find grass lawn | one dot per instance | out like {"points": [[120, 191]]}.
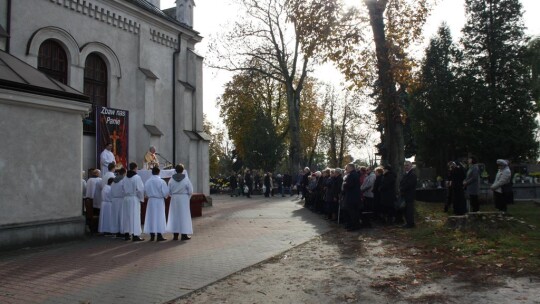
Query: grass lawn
{"points": [[508, 243]]}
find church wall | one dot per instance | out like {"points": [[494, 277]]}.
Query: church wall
{"points": [[39, 168], [135, 41]]}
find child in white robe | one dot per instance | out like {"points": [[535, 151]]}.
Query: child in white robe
{"points": [[105, 215], [180, 189], [156, 190]]}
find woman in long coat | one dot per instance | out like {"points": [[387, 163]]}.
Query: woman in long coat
{"points": [[387, 191], [180, 190]]}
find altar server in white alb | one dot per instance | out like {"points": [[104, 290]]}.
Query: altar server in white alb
{"points": [[180, 189], [108, 174], [105, 215], [131, 211], [117, 198], [106, 157], [156, 190], [93, 188]]}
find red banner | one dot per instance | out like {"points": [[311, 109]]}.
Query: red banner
{"points": [[112, 127]]}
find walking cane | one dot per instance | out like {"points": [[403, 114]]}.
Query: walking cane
{"points": [[338, 211]]}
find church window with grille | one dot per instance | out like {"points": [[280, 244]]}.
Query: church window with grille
{"points": [[95, 86], [52, 60]]}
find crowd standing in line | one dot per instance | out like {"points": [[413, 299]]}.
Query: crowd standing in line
{"points": [[358, 195]]}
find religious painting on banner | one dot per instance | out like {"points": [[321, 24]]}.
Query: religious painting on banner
{"points": [[112, 126]]}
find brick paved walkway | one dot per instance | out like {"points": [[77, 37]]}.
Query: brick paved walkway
{"points": [[233, 234]]}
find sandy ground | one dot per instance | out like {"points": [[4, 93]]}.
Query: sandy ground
{"points": [[370, 266]]}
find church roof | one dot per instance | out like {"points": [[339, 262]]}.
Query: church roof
{"points": [[17, 75], [167, 14]]}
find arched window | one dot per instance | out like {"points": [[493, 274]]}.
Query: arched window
{"points": [[52, 60], [95, 86]]}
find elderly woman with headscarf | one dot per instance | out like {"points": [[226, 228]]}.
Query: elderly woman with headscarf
{"points": [[502, 186]]}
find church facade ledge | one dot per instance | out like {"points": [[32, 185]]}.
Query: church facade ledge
{"points": [[101, 14], [163, 39]]}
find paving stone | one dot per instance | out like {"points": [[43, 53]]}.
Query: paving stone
{"points": [[233, 234]]}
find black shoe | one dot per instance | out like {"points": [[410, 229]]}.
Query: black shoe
{"points": [[152, 237], [137, 239], [185, 237], [127, 237], [175, 238], [160, 238]]}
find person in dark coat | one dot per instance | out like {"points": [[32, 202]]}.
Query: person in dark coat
{"points": [[278, 182], [407, 189], [388, 194], [267, 186], [233, 183], [336, 193], [240, 180], [248, 181], [472, 183], [287, 183], [304, 182], [457, 176], [450, 192], [328, 198], [351, 193], [377, 205]]}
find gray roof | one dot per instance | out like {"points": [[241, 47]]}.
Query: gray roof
{"points": [[17, 75]]}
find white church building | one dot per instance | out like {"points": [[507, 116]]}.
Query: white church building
{"points": [[122, 54]]}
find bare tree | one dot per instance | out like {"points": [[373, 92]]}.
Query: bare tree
{"points": [[281, 39]]}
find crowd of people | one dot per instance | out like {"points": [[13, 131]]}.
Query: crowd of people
{"points": [[463, 181], [356, 196], [117, 197], [353, 196]]}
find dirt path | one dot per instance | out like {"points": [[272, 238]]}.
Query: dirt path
{"points": [[371, 266]]}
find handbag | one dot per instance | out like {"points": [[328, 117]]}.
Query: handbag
{"points": [[400, 203], [506, 188]]}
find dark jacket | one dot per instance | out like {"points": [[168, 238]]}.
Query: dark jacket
{"points": [[336, 188], [377, 189], [233, 182], [287, 180], [351, 189], [388, 189], [305, 179], [407, 186], [248, 180]]}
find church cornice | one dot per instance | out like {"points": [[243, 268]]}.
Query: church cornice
{"points": [[127, 23], [163, 39], [99, 13]]}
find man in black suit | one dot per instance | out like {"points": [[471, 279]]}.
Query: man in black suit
{"points": [[407, 189]]}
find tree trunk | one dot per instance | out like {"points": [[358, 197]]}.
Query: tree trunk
{"points": [[333, 145], [342, 139], [295, 148], [393, 133]]}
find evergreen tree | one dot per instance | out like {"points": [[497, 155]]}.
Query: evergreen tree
{"points": [[496, 82], [435, 110], [533, 60]]}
